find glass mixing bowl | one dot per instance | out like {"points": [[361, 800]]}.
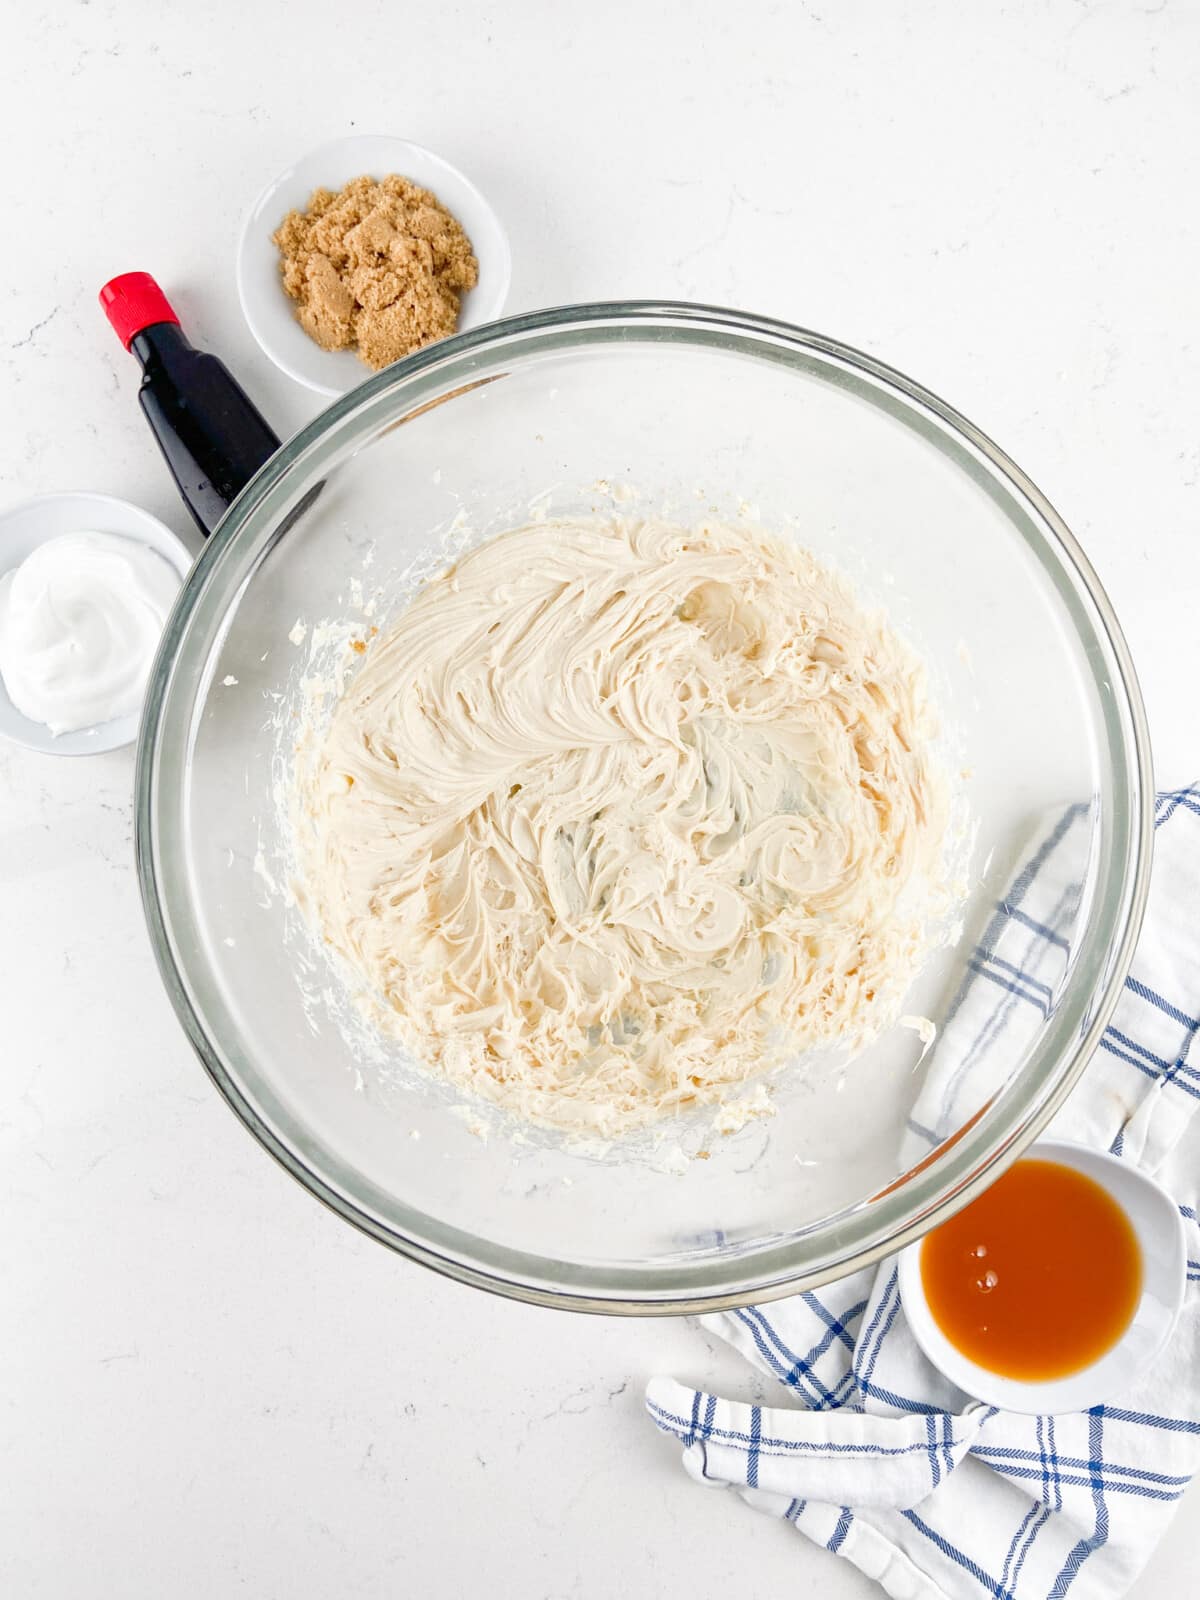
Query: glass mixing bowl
{"points": [[704, 412]]}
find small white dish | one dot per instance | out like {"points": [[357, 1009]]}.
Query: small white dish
{"points": [[1159, 1228], [22, 530], [271, 315]]}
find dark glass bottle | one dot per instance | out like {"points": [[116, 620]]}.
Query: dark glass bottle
{"points": [[212, 434]]}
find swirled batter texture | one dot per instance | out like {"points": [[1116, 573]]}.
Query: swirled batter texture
{"points": [[619, 814]]}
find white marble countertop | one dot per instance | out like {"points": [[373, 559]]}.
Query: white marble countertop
{"points": [[209, 1385]]}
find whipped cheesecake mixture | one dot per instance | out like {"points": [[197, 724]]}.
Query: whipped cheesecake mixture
{"points": [[618, 814]]}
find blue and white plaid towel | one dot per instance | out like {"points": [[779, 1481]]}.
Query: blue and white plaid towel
{"points": [[935, 1496]]}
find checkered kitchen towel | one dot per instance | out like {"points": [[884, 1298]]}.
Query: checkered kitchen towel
{"points": [[935, 1496]]}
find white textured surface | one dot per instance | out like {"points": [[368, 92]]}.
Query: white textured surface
{"points": [[208, 1386]]}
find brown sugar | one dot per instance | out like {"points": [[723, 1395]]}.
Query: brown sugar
{"points": [[380, 266]]}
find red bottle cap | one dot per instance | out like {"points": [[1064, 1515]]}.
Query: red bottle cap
{"points": [[133, 302]]}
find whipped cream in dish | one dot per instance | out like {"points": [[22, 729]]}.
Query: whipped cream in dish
{"points": [[80, 621], [617, 815]]}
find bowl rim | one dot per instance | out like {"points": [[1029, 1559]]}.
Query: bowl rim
{"points": [[455, 185], [1117, 1368], [956, 1170]]}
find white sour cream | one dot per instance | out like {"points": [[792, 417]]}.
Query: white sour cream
{"points": [[80, 620]]}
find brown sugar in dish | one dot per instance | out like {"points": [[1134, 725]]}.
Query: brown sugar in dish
{"points": [[379, 265]]}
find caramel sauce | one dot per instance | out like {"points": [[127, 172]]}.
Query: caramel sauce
{"points": [[1038, 1277]]}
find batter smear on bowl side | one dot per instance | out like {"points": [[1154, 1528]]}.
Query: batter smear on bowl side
{"points": [[618, 815]]}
